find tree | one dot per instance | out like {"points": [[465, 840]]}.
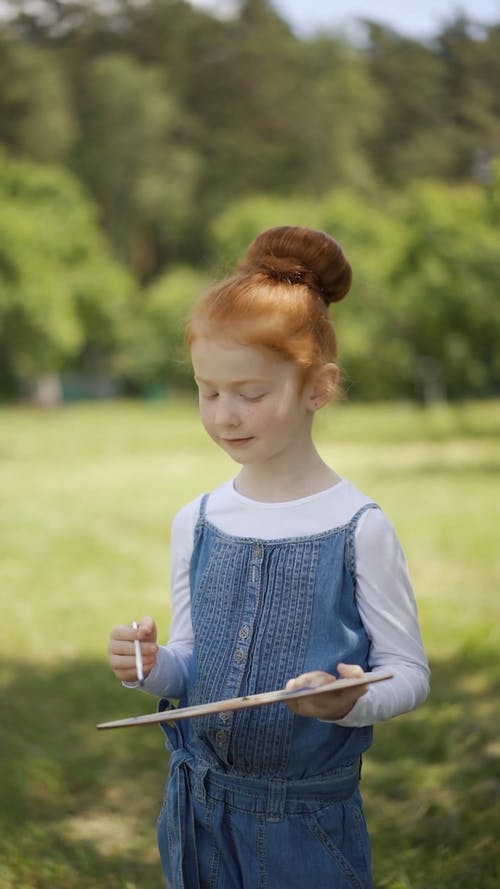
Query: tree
{"points": [[60, 291], [471, 60], [153, 354], [445, 291], [232, 231], [135, 160], [373, 356], [417, 133], [337, 109], [36, 114]]}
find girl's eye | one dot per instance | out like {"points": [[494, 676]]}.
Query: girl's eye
{"points": [[253, 397]]}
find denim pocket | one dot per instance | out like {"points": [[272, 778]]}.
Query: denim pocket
{"points": [[341, 830]]}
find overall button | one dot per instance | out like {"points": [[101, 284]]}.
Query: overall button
{"points": [[244, 632], [221, 737], [239, 655], [225, 716], [257, 552]]}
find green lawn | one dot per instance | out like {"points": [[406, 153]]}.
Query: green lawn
{"points": [[86, 499]]}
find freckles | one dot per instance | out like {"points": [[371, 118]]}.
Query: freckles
{"points": [[261, 418]]}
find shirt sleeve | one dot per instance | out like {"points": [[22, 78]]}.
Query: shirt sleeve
{"points": [[387, 607], [168, 678]]}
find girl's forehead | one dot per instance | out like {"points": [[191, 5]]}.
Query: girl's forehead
{"points": [[212, 357], [207, 349]]}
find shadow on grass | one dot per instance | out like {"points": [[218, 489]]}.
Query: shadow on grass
{"points": [[79, 806], [432, 782]]}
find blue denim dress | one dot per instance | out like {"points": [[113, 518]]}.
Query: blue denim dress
{"points": [[262, 798]]}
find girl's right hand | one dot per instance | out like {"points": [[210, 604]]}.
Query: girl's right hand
{"points": [[121, 650]]}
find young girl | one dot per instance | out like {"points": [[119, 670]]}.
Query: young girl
{"points": [[285, 576]]}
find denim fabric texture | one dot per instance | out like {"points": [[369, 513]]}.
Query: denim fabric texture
{"points": [[262, 798]]}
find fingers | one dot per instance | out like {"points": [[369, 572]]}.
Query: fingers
{"points": [[121, 651], [307, 706], [319, 677], [350, 671], [309, 680], [147, 631], [330, 705]]}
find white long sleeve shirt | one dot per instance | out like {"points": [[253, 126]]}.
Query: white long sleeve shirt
{"points": [[385, 598]]}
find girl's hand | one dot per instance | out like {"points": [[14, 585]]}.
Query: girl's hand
{"points": [[121, 651], [330, 705]]}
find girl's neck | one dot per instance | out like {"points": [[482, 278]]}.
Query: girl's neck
{"points": [[258, 482]]}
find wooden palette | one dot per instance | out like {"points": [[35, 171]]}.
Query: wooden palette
{"points": [[257, 700]]}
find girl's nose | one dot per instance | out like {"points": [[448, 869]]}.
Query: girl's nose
{"points": [[226, 413]]}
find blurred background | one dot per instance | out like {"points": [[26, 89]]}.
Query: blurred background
{"points": [[143, 144]]}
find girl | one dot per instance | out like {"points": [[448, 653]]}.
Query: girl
{"points": [[286, 575]]}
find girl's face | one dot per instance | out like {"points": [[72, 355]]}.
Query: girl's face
{"points": [[250, 402]]}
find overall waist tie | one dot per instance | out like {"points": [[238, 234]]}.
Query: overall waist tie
{"points": [[180, 820], [182, 856]]}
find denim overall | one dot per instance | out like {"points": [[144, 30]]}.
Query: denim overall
{"points": [[262, 798]]}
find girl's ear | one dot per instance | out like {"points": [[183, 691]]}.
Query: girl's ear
{"points": [[322, 386]]}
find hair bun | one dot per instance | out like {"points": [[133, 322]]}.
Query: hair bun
{"points": [[297, 255]]}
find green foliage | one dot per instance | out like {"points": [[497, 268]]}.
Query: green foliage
{"points": [[338, 118], [471, 63], [135, 159], [60, 291], [423, 320], [256, 107], [153, 354], [445, 288], [192, 132], [418, 133], [241, 222], [371, 355], [37, 119]]}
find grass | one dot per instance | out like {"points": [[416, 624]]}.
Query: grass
{"points": [[86, 499]]}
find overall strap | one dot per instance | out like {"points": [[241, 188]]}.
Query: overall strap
{"points": [[203, 508], [350, 544], [201, 518]]}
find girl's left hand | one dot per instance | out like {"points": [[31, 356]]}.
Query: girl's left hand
{"points": [[331, 705]]}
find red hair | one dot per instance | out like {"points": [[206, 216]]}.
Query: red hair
{"points": [[279, 297]]}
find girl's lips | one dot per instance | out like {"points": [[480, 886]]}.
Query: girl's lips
{"points": [[234, 442]]}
